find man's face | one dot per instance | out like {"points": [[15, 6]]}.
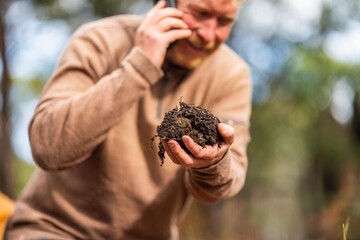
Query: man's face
{"points": [[210, 22]]}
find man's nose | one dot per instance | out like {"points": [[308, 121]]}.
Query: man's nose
{"points": [[208, 30]]}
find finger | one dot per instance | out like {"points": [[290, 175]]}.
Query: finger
{"points": [[180, 153], [153, 11], [227, 132], [177, 34], [159, 5], [195, 149], [204, 153], [159, 14], [172, 23], [169, 153]]}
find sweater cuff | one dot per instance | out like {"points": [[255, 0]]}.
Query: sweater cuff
{"points": [[144, 66], [218, 168]]}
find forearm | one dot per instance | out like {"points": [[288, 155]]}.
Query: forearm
{"points": [[69, 124], [219, 181]]}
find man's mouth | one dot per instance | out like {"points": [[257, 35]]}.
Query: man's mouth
{"points": [[196, 48], [190, 52]]}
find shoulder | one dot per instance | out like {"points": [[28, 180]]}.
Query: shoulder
{"points": [[110, 37], [109, 34], [107, 25]]}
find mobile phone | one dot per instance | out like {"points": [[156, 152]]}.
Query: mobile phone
{"points": [[170, 3]]}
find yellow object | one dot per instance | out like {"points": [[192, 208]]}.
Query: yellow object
{"points": [[6, 209]]}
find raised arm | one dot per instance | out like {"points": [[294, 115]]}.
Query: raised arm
{"points": [[102, 73], [85, 97]]}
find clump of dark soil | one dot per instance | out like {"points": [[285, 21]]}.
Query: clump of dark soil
{"points": [[197, 122]]}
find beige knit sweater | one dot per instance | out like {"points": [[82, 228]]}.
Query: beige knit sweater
{"points": [[91, 138]]}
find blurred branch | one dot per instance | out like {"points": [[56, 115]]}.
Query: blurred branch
{"points": [[356, 118], [346, 228], [5, 146]]}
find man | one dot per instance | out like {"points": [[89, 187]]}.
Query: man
{"points": [[91, 131]]}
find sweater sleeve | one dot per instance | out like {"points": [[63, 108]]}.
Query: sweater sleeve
{"points": [[225, 178], [94, 84]]}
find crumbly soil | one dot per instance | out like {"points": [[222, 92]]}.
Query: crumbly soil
{"points": [[197, 122]]}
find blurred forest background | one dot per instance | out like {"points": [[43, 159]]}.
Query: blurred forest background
{"points": [[304, 158]]}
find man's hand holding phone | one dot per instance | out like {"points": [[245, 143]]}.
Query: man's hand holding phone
{"points": [[160, 27]]}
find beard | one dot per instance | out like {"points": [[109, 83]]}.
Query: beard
{"points": [[190, 52]]}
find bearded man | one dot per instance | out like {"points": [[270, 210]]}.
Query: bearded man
{"points": [[90, 133]]}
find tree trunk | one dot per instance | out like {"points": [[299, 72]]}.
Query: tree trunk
{"points": [[5, 145], [356, 118]]}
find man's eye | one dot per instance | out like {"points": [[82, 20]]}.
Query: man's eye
{"points": [[224, 21], [201, 13]]}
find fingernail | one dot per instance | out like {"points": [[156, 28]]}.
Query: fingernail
{"points": [[171, 145]]}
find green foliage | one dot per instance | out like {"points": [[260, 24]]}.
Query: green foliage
{"points": [[22, 173], [29, 88], [44, 2], [106, 7]]}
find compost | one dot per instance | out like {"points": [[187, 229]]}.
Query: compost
{"points": [[195, 121]]}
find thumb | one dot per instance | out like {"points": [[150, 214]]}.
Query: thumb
{"points": [[227, 132]]}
